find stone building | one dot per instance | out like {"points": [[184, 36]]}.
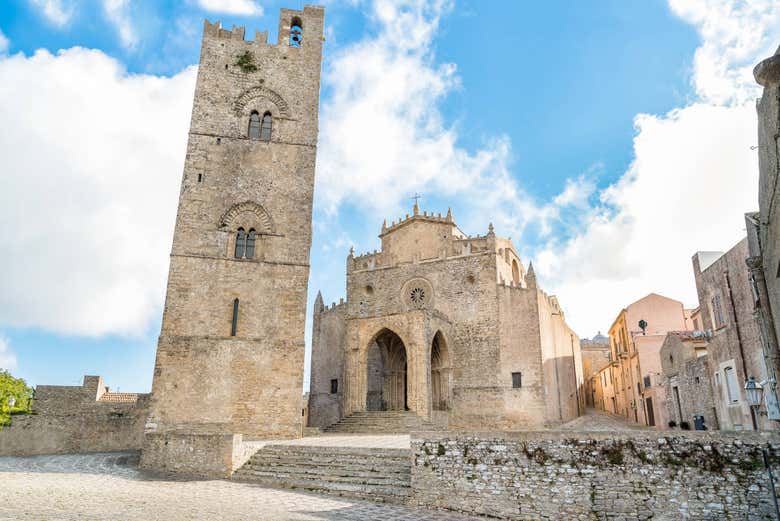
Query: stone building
{"points": [[595, 357], [635, 371], [231, 350], [686, 379], [763, 230], [735, 352], [448, 326]]}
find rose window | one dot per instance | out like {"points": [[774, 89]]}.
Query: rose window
{"points": [[418, 295]]}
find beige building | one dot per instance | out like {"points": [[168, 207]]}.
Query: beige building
{"points": [[447, 326], [685, 368], [763, 231], [635, 372], [231, 350]]}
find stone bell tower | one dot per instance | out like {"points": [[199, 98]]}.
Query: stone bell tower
{"points": [[230, 353]]}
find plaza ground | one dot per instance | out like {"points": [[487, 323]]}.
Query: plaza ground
{"points": [[110, 487]]}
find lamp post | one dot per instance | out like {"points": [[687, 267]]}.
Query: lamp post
{"points": [[754, 392]]}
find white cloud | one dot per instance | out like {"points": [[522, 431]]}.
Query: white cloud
{"points": [[692, 178], [57, 12], [93, 165], [382, 130], [4, 43], [118, 13], [237, 7], [7, 356]]}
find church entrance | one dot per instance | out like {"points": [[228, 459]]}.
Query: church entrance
{"points": [[387, 382]]}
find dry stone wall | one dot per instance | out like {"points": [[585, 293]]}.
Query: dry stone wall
{"points": [[584, 476]]}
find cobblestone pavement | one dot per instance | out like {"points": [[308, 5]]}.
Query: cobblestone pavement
{"points": [[109, 487], [600, 421]]}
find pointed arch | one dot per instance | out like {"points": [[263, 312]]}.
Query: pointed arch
{"points": [[441, 373]]}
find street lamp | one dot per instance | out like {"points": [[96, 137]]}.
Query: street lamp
{"points": [[754, 393]]}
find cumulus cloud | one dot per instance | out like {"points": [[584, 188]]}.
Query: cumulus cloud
{"points": [[692, 178], [7, 356], [56, 12], [94, 163], [118, 13], [382, 131], [237, 7]]}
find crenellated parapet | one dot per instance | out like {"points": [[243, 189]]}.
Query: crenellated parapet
{"points": [[288, 19]]}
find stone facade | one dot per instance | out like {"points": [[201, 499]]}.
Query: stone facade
{"points": [[71, 419], [231, 350], [446, 325], [686, 378], [734, 349], [763, 230], [544, 475]]}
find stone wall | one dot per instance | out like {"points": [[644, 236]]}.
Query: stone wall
{"points": [[544, 475], [76, 419], [735, 343], [193, 454], [328, 351]]}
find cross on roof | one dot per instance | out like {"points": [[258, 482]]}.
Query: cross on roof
{"points": [[416, 197]]}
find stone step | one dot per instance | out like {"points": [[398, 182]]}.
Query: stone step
{"points": [[360, 472]]}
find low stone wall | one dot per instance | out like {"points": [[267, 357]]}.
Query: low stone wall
{"points": [[77, 419], [194, 454], [541, 475]]}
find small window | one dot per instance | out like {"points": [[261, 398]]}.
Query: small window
{"points": [[265, 127], [517, 380], [717, 312], [200, 178], [234, 321], [254, 125], [240, 243], [250, 244], [334, 386], [731, 384], [646, 381], [697, 380]]}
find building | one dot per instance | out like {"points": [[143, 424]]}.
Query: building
{"points": [[595, 357], [763, 231], [231, 350], [687, 382], [635, 338], [447, 326], [735, 351]]}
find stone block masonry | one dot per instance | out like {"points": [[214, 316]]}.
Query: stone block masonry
{"points": [[77, 419], [547, 475]]}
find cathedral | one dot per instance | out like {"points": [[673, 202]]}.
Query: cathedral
{"points": [[448, 326]]}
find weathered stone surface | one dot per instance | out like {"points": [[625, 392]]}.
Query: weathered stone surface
{"points": [[210, 379], [86, 418], [541, 475]]}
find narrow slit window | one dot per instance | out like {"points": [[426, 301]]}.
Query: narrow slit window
{"points": [[240, 243], [517, 380], [265, 127], [200, 178], [250, 244], [234, 322], [254, 125], [334, 386]]}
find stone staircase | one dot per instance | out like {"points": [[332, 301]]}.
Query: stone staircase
{"points": [[367, 473], [381, 422]]}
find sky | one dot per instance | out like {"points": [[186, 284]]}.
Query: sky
{"points": [[610, 140]]}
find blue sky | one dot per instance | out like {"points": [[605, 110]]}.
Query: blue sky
{"points": [[609, 139]]}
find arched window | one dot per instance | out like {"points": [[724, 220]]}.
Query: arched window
{"points": [[250, 244], [515, 272], [296, 32], [265, 127], [254, 125], [240, 243]]}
